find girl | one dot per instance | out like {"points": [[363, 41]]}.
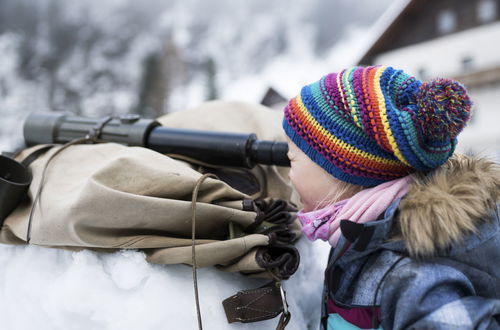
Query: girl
{"points": [[415, 229]]}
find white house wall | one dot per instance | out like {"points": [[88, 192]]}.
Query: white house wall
{"points": [[482, 135], [443, 57]]}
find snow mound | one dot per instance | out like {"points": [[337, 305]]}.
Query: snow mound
{"points": [[57, 289]]}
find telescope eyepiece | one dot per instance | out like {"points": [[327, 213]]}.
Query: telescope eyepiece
{"points": [[270, 153]]}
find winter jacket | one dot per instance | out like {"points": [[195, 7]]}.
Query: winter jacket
{"points": [[432, 260]]}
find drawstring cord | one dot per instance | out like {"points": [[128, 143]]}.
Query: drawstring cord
{"points": [[285, 316], [193, 240]]}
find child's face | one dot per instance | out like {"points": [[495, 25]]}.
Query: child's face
{"points": [[313, 183]]}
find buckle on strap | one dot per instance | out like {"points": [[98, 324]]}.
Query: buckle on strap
{"points": [[283, 299], [255, 305], [95, 132]]}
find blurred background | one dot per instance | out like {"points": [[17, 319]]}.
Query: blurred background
{"points": [[92, 57]]}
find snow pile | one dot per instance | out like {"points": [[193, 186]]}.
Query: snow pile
{"points": [[55, 289]]}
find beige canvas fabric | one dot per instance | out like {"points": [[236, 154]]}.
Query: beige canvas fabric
{"points": [[108, 196]]}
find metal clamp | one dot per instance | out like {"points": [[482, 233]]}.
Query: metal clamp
{"points": [[95, 132], [283, 299]]}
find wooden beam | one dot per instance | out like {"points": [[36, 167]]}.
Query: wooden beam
{"points": [[480, 77]]}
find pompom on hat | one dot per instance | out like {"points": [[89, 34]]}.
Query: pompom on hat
{"points": [[369, 125]]}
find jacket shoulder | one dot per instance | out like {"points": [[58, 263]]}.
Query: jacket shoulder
{"points": [[434, 295], [374, 272]]}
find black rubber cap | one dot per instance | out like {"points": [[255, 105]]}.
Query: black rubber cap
{"points": [[14, 182]]}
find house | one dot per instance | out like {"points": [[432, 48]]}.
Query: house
{"points": [[448, 38], [272, 98]]}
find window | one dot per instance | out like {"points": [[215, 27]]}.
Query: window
{"points": [[467, 63], [422, 74], [446, 21], [486, 10]]}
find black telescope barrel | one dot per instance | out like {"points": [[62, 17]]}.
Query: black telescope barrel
{"points": [[212, 147], [217, 148], [227, 149]]}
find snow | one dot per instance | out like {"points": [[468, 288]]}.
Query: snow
{"points": [[56, 289]]}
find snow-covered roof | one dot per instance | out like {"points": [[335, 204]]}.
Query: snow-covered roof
{"points": [[383, 26]]}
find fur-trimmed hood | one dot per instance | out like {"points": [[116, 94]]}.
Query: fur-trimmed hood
{"points": [[444, 206]]}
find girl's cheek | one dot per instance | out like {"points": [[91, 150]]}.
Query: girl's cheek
{"points": [[297, 185], [292, 177], [291, 172]]}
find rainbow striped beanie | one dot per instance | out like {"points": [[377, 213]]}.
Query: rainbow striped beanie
{"points": [[369, 125]]}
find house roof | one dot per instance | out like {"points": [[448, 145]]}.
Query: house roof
{"points": [[386, 26]]}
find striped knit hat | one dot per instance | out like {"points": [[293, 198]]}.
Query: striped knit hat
{"points": [[369, 125]]}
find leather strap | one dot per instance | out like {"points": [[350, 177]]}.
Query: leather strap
{"points": [[256, 305], [36, 154]]}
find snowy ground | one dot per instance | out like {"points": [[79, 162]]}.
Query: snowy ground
{"points": [[54, 289]]}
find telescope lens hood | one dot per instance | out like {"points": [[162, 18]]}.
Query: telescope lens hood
{"points": [[14, 182]]}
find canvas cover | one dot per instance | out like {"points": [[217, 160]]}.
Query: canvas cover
{"points": [[108, 196]]}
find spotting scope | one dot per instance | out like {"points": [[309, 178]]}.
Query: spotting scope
{"points": [[216, 148]]}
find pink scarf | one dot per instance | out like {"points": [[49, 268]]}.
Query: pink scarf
{"points": [[364, 206]]}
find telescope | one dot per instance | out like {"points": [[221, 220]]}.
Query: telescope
{"points": [[214, 148]]}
